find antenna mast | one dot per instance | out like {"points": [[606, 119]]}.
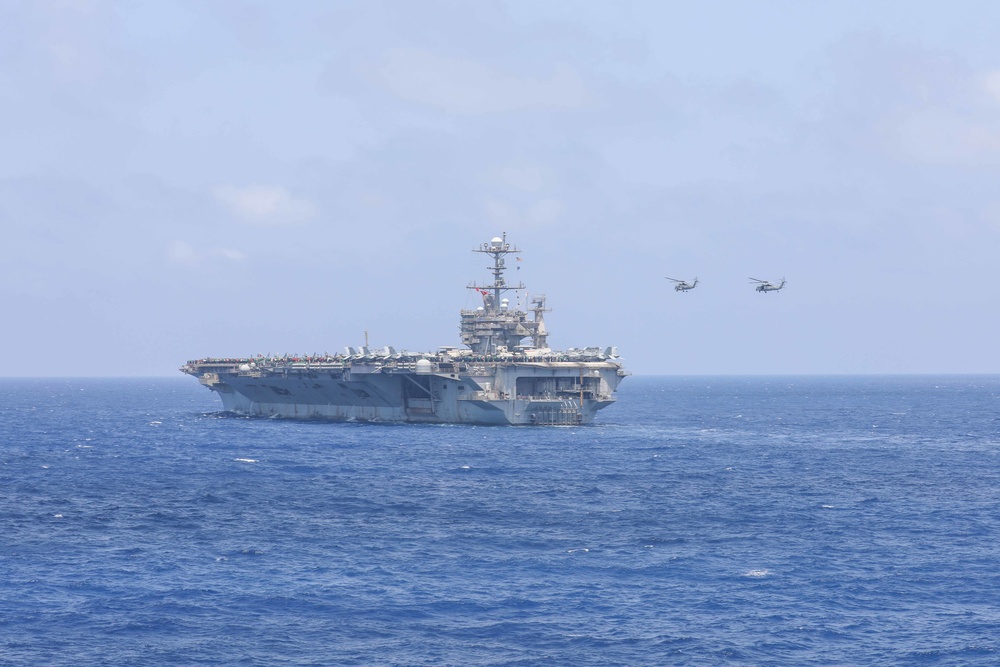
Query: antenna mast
{"points": [[498, 248]]}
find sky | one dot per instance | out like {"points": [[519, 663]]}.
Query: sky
{"points": [[191, 178]]}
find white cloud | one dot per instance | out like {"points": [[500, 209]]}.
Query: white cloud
{"points": [[181, 252], [72, 39], [522, 178], [184, 253], [231, 254], [991, 85], [546, 211], [542, 212], [991, 215], [943, 137], [466, 86], [953, 121], [264, 204], [499, 212]]}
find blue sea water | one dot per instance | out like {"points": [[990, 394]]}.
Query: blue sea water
{"points": [[700, 521]]}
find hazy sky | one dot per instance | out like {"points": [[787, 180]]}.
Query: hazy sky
{"points": [[214, 178]]}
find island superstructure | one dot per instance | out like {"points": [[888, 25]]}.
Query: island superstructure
{"points": [[497, 379]]}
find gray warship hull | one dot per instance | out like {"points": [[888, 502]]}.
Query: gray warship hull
{"points": [[540, 393], [497, 380]]}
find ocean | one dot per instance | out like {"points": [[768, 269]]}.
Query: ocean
{"points": [[699, 521]]}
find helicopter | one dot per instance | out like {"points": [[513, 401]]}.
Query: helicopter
{"points": [[765, 286], [683, 286]]}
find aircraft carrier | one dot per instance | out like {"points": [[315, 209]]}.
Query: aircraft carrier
{"points": [[496, 379]]}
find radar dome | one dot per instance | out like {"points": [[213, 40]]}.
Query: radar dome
{"points": [[424, 366]]}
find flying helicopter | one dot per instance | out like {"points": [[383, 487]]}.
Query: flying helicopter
{"points": [[765, 286], [683, 286]]}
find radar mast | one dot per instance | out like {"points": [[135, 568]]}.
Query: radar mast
{"points": [[497, 248], [496, 327]]}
